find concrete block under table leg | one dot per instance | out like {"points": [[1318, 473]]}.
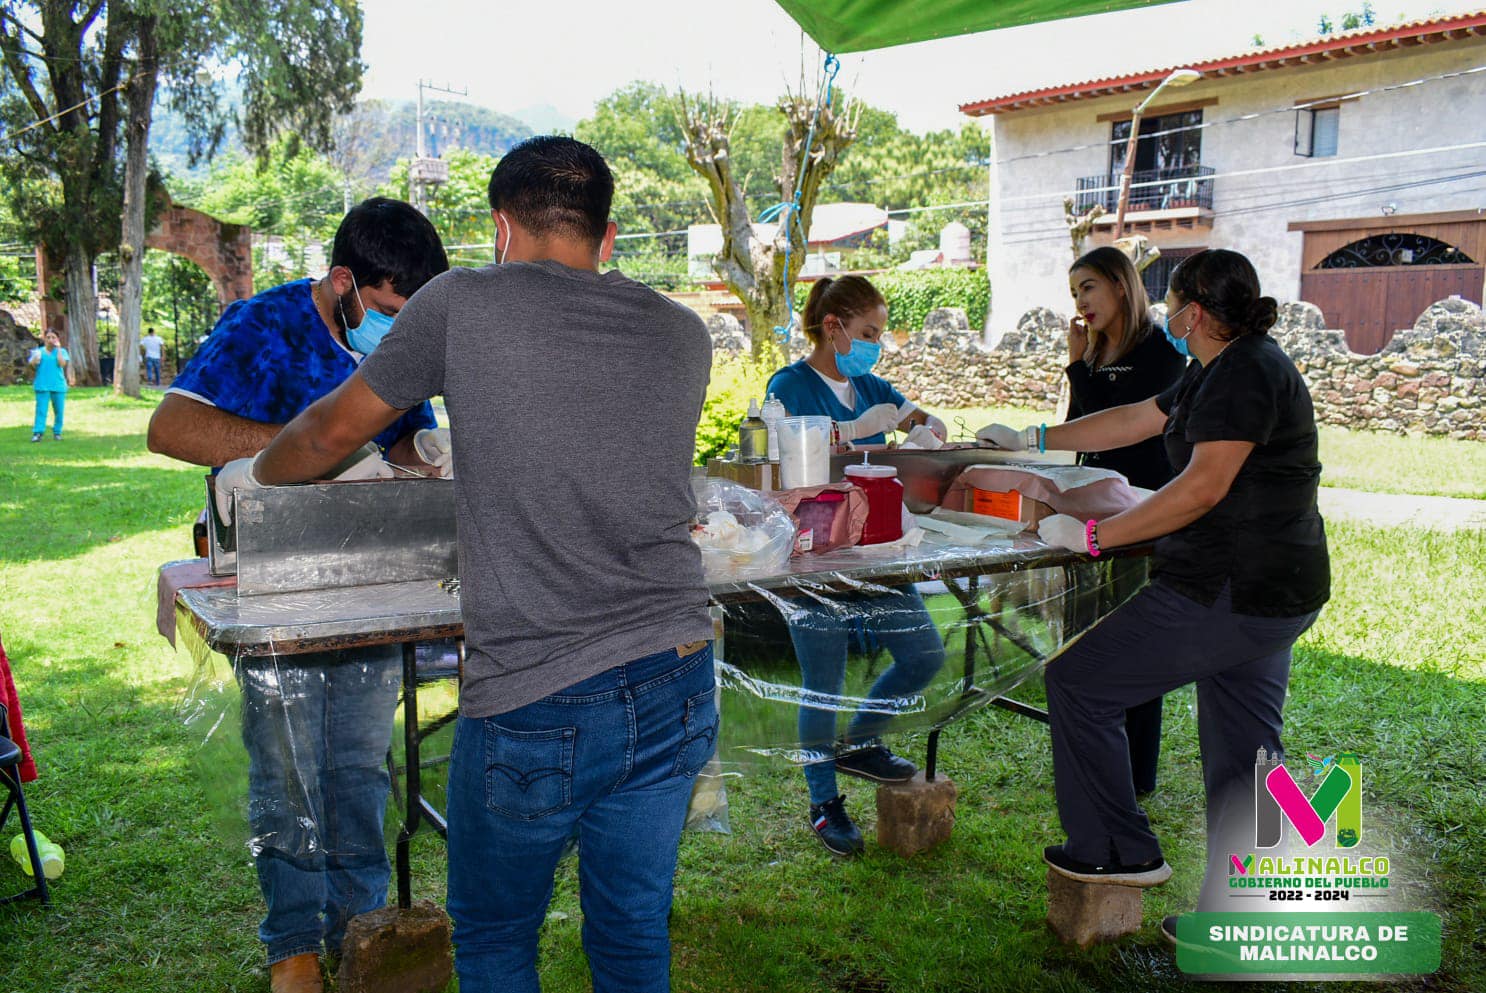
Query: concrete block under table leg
{"points": [[397, 951], [1086, 913], [917, 815]]}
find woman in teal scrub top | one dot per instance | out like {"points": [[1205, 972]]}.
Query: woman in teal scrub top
{"points": [[53, 370]]}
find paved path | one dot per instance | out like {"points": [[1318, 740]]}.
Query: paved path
{"points": [[1392, 509]]}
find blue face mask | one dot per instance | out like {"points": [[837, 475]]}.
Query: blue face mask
{"points": [[372, 329], [1180, 344], [860, 360]]}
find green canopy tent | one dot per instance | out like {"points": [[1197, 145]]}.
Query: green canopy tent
{"points": [[857, 25]]}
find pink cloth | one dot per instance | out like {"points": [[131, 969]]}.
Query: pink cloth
{"points": [[180, 575], [12, 701]]}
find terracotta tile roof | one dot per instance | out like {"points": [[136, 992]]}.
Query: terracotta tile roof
{"points": [[1370, 41]]}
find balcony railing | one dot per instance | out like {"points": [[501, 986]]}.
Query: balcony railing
{"points": [[1152, 189]]}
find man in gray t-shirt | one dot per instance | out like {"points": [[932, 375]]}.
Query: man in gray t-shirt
{"points": [[587, 706]]}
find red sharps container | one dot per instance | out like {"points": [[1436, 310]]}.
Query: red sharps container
{"points": [[884, 500]]}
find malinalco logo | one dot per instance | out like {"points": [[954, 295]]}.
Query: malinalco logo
{"points": [[1277, 798]]}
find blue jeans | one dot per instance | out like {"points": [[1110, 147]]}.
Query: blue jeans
{"points": [[152, 370], [1157, 641], [57, 400], [316, 729], [820, 631], [611, 761]]}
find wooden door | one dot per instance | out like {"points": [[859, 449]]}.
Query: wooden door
{"points": [[1371, 304]]}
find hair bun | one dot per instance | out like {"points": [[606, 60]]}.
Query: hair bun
{"points": [[1262, 314]]}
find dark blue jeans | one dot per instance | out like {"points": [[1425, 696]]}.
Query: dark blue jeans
{"points": [[316, 729], [820, 631], [152, 371], [1157, 641], [611, 761]]}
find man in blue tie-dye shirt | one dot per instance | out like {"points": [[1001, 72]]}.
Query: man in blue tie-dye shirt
{"points": [[316, 727]]}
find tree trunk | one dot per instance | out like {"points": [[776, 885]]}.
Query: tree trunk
{"points": [[141, 100], [82, 316]]}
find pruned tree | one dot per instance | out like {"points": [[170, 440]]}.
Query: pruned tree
{"points": [[1080, 224], [752, 262]]}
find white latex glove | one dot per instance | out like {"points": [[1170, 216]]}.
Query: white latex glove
{"points": [[373, 466], [1008, 439], [235, 475], [923, 436], [937, 426], [1063, 531], [874, 420], [434, 446]]}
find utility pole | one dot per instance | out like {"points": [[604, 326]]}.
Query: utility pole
{"points": [[425, 171]]}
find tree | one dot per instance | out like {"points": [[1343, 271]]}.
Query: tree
{"points": [[636, 128], [754, 266], [105, 51], [294, 200], [64, 65], [459, 208]]}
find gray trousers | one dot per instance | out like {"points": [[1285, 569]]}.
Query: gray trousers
{"points": [[1157, 641]]}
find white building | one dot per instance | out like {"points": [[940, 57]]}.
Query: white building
{"points": [[1351, 169]]}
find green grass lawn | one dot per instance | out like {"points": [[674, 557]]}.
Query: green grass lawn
{"points": [[158, 897]]}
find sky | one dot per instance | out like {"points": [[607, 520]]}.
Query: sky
{"points": [[511, 57]]}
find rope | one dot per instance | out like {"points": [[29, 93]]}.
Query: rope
{"points": [[789, 213]]}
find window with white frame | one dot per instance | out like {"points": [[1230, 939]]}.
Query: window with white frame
{"points": [[1316, 131]]}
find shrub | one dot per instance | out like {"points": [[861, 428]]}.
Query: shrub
{"points": [[735, 379], [911, 294]]}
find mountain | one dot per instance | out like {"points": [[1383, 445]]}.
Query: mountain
{"points": [[546, 119], [382, 131]]}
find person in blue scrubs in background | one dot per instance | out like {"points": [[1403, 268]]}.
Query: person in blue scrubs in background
{"points": [[844, 320], [53, 370]]}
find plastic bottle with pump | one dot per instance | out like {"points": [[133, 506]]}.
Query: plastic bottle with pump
{"points": [[753, 436], [773, 413]]}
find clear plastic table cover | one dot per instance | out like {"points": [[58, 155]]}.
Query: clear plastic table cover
{"points": [[818, 658]]}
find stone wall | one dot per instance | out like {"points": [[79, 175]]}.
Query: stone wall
{"points": [[1428, 380], [16, 344]]}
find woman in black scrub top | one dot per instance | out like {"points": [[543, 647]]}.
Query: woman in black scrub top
{"points": [[1240, 571]]}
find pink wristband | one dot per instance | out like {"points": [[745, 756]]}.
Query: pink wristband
{"points": [[1091, 538]]}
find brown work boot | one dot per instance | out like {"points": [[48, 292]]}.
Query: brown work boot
{"points": [[297, 974]]}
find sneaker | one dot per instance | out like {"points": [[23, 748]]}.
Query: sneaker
{"points": [[1152, 873], [1168, 928], [56, 437], [36, 436], [832, 825], [877, 764]]}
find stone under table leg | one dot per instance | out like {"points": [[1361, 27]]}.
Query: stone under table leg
{"points": [[1087, 913], [397, 951], [917, 815]]}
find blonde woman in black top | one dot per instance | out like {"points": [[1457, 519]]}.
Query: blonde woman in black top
{"points": [[1116, 355]]}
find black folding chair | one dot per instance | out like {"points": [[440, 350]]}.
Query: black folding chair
{"points": [[10, 777]]}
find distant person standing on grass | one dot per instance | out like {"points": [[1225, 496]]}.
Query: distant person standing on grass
{"points": [[53, 375], [151, 345]]}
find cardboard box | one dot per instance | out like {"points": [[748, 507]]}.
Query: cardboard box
{"points": [[1010, 505], [762, 476]]}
